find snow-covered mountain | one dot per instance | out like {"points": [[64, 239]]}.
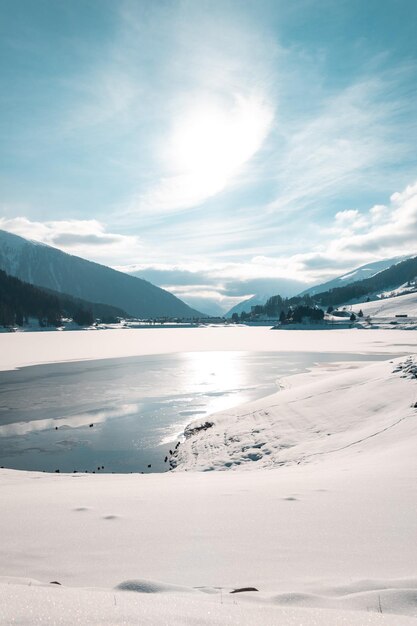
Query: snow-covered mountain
{"points": [[285, 287], [48, 267], [360, 273], [246, 305]]}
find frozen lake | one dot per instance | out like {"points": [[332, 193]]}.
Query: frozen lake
{"points": [[125, 414]]}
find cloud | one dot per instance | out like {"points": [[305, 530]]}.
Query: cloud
{"points": [[347, 216], [384, 231], [352, 140], [394, 230], [85, 238], [70, 239], [222, 285], [355, 238]]}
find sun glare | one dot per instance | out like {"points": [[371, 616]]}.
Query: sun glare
{"points": [[211, 142]]}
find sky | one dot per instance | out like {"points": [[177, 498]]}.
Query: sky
{"points": [[221, 148]]}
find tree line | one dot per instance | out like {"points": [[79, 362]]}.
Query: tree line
{"points": [[20, 301], [288, 310]]}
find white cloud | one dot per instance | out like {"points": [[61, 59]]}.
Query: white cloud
{"points": [[85, 238], [348, 215], [377, 212], [383, 232]]}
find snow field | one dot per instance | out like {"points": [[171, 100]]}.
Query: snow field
{"points": [[23, 349], [318, 513], [389, 307]]}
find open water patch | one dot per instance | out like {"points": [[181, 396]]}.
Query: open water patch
{"points": [[127, 414]]}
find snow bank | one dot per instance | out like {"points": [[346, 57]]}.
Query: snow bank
{"points": [[55, 605], [299, 424]]}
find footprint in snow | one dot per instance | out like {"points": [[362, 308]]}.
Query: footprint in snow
{"points": [[290, 499], [81, 508], [110, 516]]}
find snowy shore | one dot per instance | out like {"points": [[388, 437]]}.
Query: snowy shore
{"points": [[317, 510]]}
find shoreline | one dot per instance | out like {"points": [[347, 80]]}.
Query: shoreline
{"points": [[284, 371]]}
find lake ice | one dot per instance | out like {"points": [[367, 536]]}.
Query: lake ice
{"points": [[125, 414]]}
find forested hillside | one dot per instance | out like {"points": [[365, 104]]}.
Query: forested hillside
{"points": [[399, 274], [20, 301], [394, 276], [50, 268]]}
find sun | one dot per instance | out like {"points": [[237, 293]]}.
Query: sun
{"points": [[211, 141]]}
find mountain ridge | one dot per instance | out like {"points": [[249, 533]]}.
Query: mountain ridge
{"points": [[48, 267], [354, 275]]}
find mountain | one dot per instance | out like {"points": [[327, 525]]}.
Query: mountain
{"points": [[70, 304], [360, 273], [266, 289], [48, 267], [246, 305], [391, 278], [399, 278], [20, 300], [208, 306]]}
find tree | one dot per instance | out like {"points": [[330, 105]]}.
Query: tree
{"points": [[19, 318], [360, 314], [282, 317], [273, 305], [317, 314], [83, 317], [353, 317], [330, 309], [258, 309], [235, 318]]}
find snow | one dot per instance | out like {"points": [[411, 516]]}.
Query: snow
{"points": [[54, 605], [319, 516], [290, 426], [360, 273], [389, 307], [22, 349]]}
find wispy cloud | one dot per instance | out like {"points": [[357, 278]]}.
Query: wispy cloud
{"points": [[212, 98], [356, 139], [354, 238]]}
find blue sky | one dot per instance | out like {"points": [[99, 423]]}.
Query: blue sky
{"points": [[217, 146]]}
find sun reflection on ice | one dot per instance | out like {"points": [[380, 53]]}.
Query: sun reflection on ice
{"points": [[221, 376]]}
